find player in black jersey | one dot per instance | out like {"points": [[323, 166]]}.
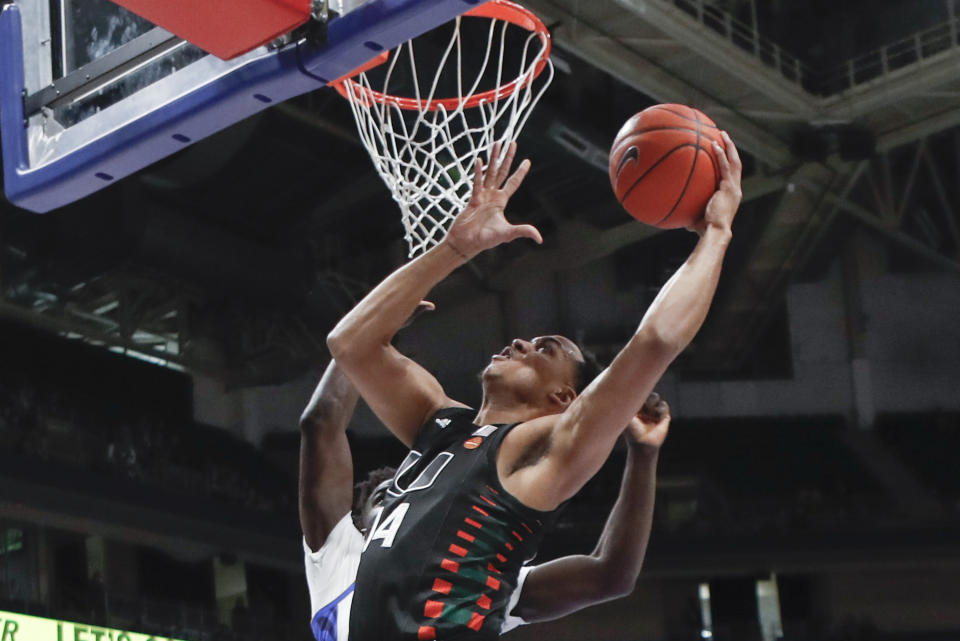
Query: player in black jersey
{"points": [[547, 591], [430, 568]]}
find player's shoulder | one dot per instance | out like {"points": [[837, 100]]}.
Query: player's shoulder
{"points": [[454, 415], [454, 410], [527, 442], [444, 421]]}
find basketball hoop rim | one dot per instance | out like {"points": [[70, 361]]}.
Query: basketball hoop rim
{"points": [[504, 10]]}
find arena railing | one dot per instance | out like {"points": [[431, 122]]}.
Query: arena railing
{"points": [[748, 38], [880, 63], [860, 70]]}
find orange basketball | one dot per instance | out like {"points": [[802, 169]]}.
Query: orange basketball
{"points": [[662, 165]]}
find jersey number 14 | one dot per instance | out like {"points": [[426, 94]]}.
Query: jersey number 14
{"points": [[387, 529]]}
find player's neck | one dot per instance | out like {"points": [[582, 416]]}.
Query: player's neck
{"points": [[496, 410]]}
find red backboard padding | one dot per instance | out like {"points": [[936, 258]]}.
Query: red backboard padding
{"points": [[225, 28]]}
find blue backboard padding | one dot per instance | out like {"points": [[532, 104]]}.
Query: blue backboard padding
{"points": [[14, 134], [285, 73]]}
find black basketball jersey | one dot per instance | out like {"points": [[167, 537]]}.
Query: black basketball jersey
{"points": [[443, 556]]}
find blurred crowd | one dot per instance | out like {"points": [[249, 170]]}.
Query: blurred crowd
{"points": [[50, 424]]}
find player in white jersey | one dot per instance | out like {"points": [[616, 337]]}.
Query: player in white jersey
{"points": [[333, 520]]}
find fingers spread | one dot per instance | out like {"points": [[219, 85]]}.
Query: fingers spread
{"points": [[504, 168], [477, 176], [493, 167], [513, 184], [526, 231]]}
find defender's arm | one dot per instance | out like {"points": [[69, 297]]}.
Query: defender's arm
{"points": [[326, 468], [571, 583]]}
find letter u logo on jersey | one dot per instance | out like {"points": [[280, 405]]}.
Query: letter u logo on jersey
{"points": [[424, 479]]}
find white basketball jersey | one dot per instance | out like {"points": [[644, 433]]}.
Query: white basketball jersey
{"points": [[331, 576]]}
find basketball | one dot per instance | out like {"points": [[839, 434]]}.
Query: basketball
{"points": [[662, 165]]}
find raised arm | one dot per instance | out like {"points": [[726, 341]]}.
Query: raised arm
{"points": [[401, 393], [581, 438], [572, 583], [326, 467]]}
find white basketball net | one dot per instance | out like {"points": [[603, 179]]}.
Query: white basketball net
{"points": [[426, 153]]}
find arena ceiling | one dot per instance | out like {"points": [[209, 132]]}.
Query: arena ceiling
{"points": [[236, 256]]}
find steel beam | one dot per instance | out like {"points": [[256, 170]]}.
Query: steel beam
{"points": [[918, 154], [914, 131], [710, 45], [906, 241], [917, 79], [632, 67], [948, 211]]}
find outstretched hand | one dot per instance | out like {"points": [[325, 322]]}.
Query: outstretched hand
{"points": [[482, 224], [724, 203], [651, 424]]}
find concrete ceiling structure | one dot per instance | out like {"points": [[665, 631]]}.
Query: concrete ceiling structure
{"points": [[692, 52], [823, 147]]}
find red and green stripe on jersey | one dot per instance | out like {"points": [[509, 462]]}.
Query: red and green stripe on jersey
{"points": [[453, 542], [465, 595]]}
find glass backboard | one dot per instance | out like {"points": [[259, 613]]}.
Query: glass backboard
{"points": [[90, 93]]}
